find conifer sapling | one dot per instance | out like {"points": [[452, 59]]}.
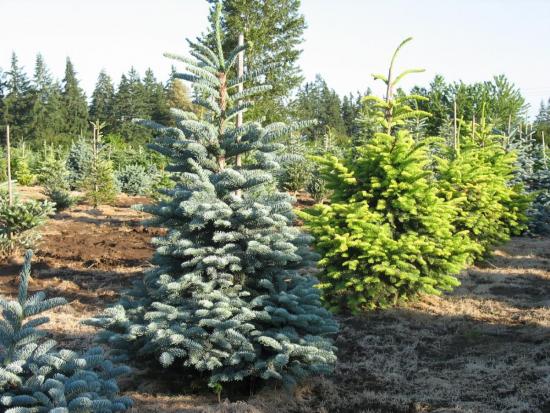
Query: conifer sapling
{"points": [[36, 376], [386, 234]]}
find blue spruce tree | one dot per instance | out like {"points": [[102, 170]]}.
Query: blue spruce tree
{"points": [[36, 376], [229, 298]]}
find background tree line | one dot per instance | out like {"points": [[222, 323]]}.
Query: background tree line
{"points": [[41, 108]]}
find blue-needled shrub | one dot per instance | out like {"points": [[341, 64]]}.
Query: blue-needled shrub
{"points": [[36, 376], [79, 162], [533, 172], [229, 298], [387, 234], [135, 179], [539, 210]]}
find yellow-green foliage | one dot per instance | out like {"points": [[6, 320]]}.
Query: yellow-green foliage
{"points": [[387, 234], [100, 183], [478, 172]]}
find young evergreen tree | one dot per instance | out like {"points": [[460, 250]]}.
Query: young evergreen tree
{"points": [[99, 182], [478, 172], [387, 234], [103, 97], [533, 173], [78, 163], [228, 298], [36, 376], [74, 102], [274, 31]]}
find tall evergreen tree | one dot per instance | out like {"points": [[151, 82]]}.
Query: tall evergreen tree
{"points": [[315, 100], [74, 102], [542, 122], [155, 98], [103, 97], [131, 103], [351, 111], [46, 113], [228, 298], [18, 100], [2, 94], [274, 30], [178, 95]]}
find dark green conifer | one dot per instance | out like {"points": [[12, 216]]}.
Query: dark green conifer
{"points": [[103, 97], [75, 106], [274, 32], [17, 103]]}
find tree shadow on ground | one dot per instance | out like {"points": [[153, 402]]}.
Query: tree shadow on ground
{"points": [[405, 360], [88, 286]]}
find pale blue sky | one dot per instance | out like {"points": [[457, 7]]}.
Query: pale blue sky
{"points": [[346, 41]]}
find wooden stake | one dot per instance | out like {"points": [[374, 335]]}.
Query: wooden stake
{"points": [[543, 150], [240, 88], [240, 73], [8, 149], [455, 130]]}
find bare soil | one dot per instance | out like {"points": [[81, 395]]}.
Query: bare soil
{"points": [[483, 348]]}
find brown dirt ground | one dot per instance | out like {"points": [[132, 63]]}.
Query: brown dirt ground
{"points": [[483, 348]]}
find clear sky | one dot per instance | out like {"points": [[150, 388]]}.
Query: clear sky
{"points": [[345, 42]]}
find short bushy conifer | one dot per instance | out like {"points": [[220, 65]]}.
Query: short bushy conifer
{"points": [[386, 234], [229, 298], [478, 172], [78, 162]]}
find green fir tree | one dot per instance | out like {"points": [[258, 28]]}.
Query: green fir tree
{"points": [[99, 182], [478, 172], [46, 113], [386, 235], [74, 102], [17, 102], [103, 97], [273, 30]]}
